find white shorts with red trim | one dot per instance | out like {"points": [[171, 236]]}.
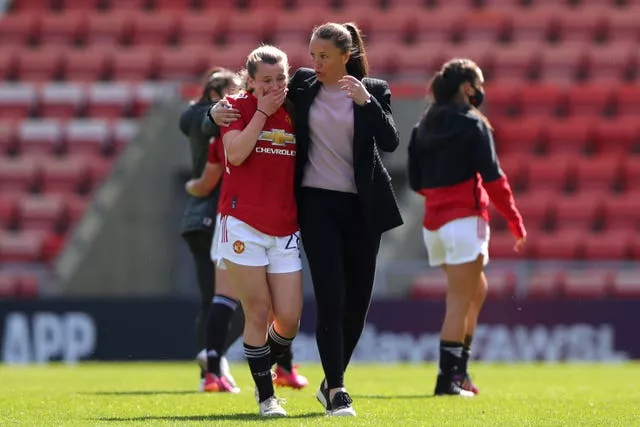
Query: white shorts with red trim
{"points": [[244, 245], [458, 242]]}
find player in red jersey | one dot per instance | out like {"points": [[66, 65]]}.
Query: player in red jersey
{"points": [[453, 163], [259, 229]]}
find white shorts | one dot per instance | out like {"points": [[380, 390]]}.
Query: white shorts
{"points": [[458, 242], [214, 245], [244, 245]]}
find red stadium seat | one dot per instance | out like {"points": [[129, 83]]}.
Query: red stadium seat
{"points": [[611, 63], [39, 65], [108, 29], [8, 62], [28, 285], [430, 285], [535, 208], [61, 101], [610, 245], [632, 173], [536, 23], [42, 212], [16, 100], [129, 6], [584, 23], [250, 26], [514, 62], [135, 64], [81, 5], [184, 63], [578, 211], [501, 246], [439, 25], [65, 28], [9, 284], [18, 174], [173, 6], [598, 173], [617, 136], [548, 173], [623, 24], [519, 135], [485, 25], [501, 100], [568, 136], [32, 5], [87, 136], [87, 65], [395, 25], [99, 167], [622, 212], [76, 207], [63, 175], [40, 136], [588, 283], [593, 99], [296, 24], [561, 244], [153, 29], [199, 29], [541, 99], [564, 62], [24, 246], [626, 283], [8, 210], [19, 28], [8, 137], [627, 100], [109, 100], [544, 283], [422, 58]]}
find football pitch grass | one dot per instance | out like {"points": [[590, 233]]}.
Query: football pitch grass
{"points": [[385, 395]]}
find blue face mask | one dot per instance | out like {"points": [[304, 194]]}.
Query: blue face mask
{"points": [[477, 98]]}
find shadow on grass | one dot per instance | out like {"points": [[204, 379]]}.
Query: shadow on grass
{"points": [[141, 392], [393, 396], [203, 418]]}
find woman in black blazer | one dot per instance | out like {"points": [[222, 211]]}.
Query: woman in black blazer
{"points": [[344, 193]]}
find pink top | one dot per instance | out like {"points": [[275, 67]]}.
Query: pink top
{"points": [[330, 163]]}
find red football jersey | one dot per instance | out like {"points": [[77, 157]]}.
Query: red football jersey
{"points": [[259, 192], [215, 152]]}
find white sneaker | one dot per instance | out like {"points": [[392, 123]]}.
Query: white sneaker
{"points": [[271, 408]]}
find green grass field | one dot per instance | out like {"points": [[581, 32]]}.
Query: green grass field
{"points": [[386, 395]]}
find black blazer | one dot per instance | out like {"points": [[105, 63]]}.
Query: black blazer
{"points": [[374, 129]]}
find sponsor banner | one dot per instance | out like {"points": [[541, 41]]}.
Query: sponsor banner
{"points": [[397, 330]]}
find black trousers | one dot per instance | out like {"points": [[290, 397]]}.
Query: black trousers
{"points": [[342, 252], [199, 243]]}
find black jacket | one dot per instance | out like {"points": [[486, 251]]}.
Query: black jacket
{"points": [[374, 129], [200, 212]]}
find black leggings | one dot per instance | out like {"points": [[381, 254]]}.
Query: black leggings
{"points": [[342, 258], [200, 246]]}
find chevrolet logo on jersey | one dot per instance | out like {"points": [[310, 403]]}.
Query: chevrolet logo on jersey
{"points": [[277, 137]]}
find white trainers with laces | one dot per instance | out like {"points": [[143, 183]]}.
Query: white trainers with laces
{"points": [[272, 408]]}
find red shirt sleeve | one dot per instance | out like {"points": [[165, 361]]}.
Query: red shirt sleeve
{"points": [[215, 152], [501, 196]]}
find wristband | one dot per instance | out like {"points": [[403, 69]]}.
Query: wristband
{"points": [[265, 114]]}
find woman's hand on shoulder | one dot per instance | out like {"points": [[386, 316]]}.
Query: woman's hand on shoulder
{"points": [[223, 114]]}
